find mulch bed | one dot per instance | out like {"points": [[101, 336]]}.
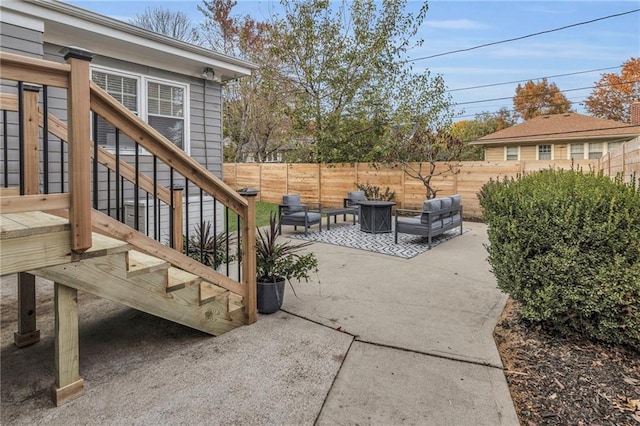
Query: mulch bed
{"points": [[567, 380]]}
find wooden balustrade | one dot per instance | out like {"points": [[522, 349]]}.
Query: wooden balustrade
{"points": [[83, 96]]}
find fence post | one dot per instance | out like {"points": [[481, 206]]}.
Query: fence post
{"points": [[78, 107]]}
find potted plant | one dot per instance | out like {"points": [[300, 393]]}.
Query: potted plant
{"points": [[277, 262], [209, 248]]}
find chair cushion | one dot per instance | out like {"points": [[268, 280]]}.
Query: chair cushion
{"points": [[432, 205], [446, 203], [292, 203], [455, 201], [356, 196], [298, 217]]}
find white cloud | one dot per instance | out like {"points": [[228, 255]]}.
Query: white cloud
{"points": [[456, 24]]}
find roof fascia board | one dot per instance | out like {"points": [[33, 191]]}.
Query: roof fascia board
{"points": [[547, 140], [74, 17], [23, 21]]}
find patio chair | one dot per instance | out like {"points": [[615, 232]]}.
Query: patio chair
{"points": [[351, 202], [293, 212]]}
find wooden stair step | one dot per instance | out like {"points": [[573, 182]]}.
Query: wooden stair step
{"points": [[139, 263], [28, 224], [210, 292], [179, 278], [101, 245], [235, 302]]}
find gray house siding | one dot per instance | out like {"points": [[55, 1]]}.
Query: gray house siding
{"points": [[204, 125], [22, 41]]}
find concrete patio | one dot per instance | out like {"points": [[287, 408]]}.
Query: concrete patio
{"points": [[378, 340]]}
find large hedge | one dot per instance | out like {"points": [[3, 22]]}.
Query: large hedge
{"points": [[566, 246]]}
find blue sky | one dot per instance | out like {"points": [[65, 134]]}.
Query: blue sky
{"points": [[453, 25]]}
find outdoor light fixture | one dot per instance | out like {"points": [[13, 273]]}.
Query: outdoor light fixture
{"points": [[210, 74]]}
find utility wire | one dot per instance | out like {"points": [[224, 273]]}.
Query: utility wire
{"points": [[534, 95], [530, 79], [523, 37]]}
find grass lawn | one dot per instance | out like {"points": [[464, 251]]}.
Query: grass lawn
{"points": [[262, 215]]}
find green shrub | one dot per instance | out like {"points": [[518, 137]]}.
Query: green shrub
{"points": [[566, 246], [373, 192]]}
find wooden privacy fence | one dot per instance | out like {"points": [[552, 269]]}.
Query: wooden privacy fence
{"points": [[624, 160], [329, 183]]}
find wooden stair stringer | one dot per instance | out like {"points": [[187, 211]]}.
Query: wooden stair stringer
{"points": [[105, 277]]}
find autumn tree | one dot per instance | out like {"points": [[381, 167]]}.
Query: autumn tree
{"points": [[613, 95], [542, 98], [175, 24], [256, 109], [483, 124]]}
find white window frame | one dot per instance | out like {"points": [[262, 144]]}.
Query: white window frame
{"points": [[506, 150], [142, 90], [584, 150], [546, 144], [608, 147], [603, 150]]}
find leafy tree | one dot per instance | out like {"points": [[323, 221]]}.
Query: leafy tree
{"points": [[483, 124], [613, 95], [345, 65], [256, 108], [542, 98], [426, 154], [175, 24]]}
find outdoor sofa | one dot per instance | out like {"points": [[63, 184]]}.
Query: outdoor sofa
{"points": [[437, 216]]}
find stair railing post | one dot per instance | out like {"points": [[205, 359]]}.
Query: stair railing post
{"points": [[178, 243], [249, 267], [79, 110]]}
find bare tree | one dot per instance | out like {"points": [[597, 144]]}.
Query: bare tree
{"points": [[175, 24]]}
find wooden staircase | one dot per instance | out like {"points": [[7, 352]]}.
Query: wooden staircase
{"points": [[38, 243], [72, 238]]}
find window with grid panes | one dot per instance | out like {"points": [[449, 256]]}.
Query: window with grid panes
{"points": [[614, 145], [595, 151], [165, 110], [576, 151], [544, 152], [125, 90]]}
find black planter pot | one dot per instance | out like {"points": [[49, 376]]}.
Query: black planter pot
{"points": [[270, 296]]}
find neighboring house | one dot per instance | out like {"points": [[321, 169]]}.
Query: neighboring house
{"points": [[172, 85], [559, 137]]}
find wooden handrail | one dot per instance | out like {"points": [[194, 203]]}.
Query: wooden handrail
{"points": [[58, 128], [84, 96], [33, 70], [153, 141]]}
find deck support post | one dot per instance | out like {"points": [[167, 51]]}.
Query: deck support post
{"points": [[27, 333], [69, 385]]}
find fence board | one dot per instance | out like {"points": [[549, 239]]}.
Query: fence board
{"points": [[329, 183]]}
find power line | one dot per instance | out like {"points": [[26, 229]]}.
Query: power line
{"points": [[534, 95], [523, 37], [530, 79]]}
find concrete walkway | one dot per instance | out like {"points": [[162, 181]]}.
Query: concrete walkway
{"points": [[379, 340]]}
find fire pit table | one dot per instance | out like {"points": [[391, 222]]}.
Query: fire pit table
{"points": [[375, 216]]}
